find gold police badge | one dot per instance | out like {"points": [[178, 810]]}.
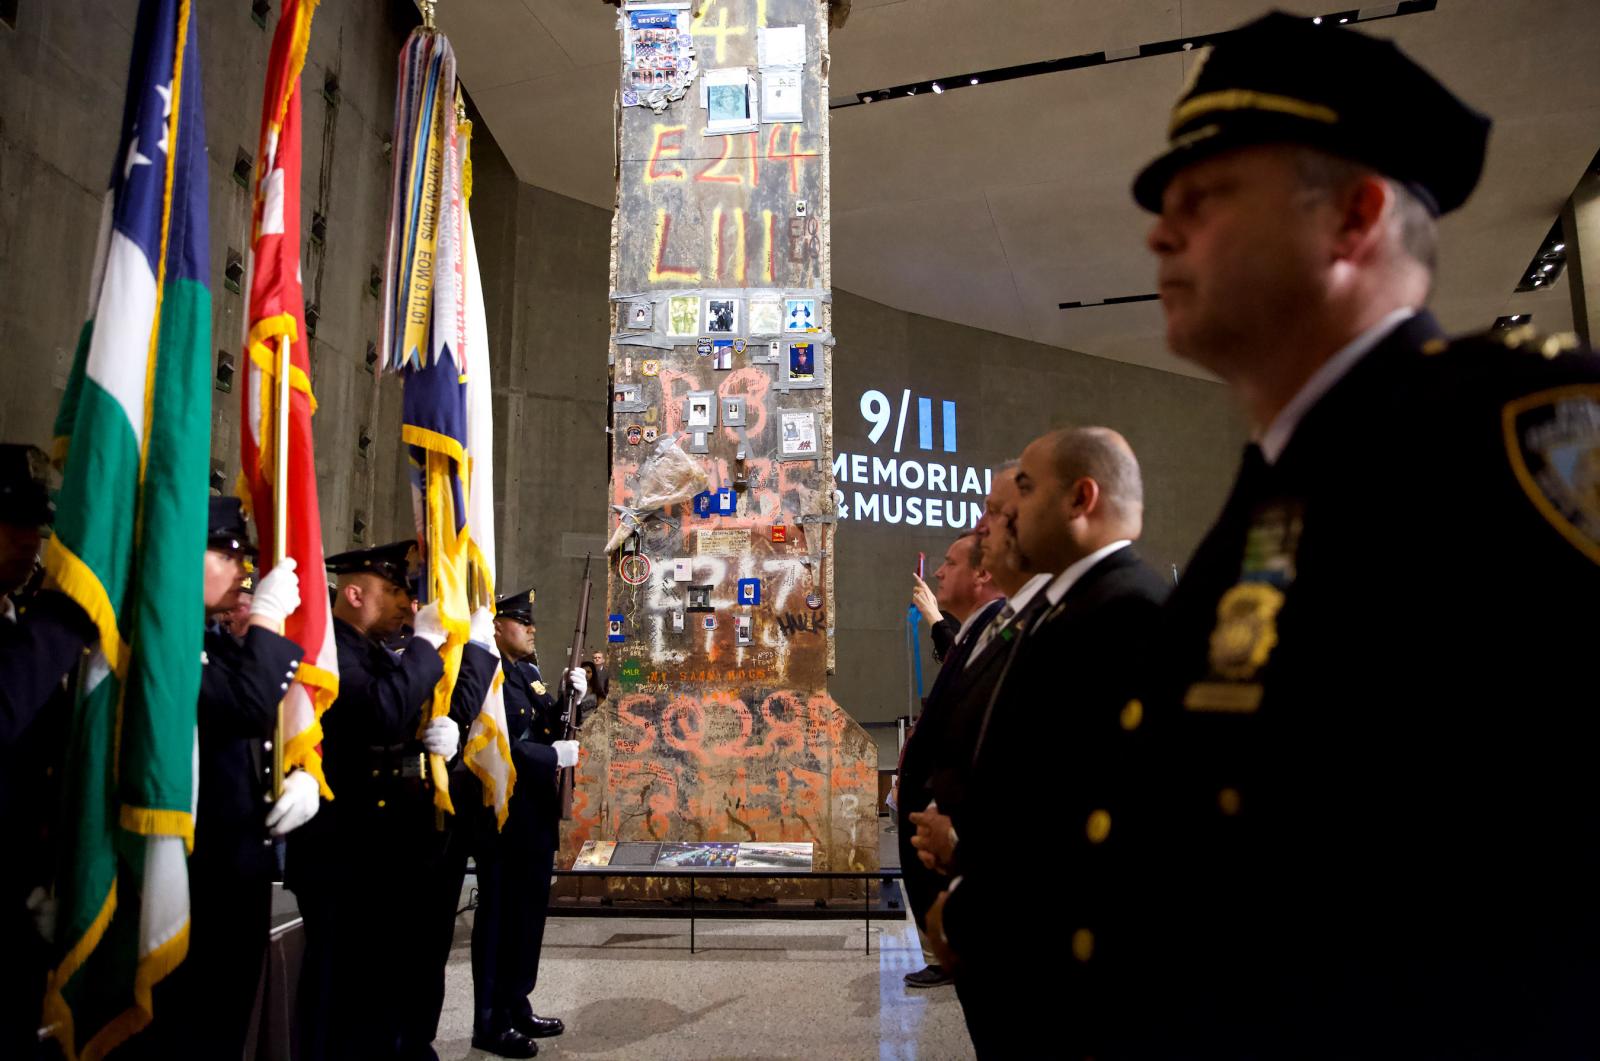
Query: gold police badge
{"points": [[537, 687], [1553, 442], [1244, 637]]}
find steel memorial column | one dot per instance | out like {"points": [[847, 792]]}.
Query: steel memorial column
{"points": [[719, 607]]}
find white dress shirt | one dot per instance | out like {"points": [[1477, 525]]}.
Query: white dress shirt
{"points": [[1061, 583]]}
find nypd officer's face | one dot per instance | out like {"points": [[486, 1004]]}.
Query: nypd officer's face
{"points": [[515, 637], [1239, 256], [224, 576], [19, 547]]}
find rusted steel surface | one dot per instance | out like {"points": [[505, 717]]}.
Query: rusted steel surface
{"points": [[723, 730]]}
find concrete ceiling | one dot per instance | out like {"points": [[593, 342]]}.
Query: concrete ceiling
{"points": [[991, 205]]}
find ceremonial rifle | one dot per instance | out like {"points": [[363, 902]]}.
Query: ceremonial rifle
{"points": [[564, 778]]}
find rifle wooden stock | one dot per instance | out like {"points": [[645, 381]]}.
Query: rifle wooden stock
{"points": [[564, 777]]}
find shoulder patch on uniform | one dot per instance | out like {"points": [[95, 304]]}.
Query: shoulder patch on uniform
{"points": [[1553, 442], [1529, 340]]}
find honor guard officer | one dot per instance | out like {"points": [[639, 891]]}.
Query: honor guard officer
{"points": [[360, 872], [204, 1007], [42, 637], [514, 863], [1371, 817], [39, 648]]}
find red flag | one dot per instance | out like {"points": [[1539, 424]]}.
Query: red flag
{"points": [[277, 316]]}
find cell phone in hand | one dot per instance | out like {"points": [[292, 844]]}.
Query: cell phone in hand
{"points": [[922, 561]]}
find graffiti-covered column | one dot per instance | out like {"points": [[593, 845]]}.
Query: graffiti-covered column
{"points": [[719, 727]]}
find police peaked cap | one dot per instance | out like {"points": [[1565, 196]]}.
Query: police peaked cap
{"points": [[389, 562], [25, 485], [226, 529], [518, 606], [1283, 79]]}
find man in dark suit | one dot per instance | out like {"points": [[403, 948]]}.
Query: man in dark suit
{"points": [[366, 868], [514, 861], [1373, 819], [204, 1007], [1066, 668], [969, 596]]}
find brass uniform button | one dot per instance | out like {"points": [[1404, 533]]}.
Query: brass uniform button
{"points": [[1099, 826], [1132, 715], [1083, 944], [1228, 801], [381, 803]]}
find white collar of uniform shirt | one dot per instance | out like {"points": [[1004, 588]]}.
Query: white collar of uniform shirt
{"points": [[1061, 583], [1275, 439]]}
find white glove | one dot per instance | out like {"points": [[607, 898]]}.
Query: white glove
{"points": [[566, 752], [578, 682], [42, 906], [277, 594], [428, 625], [296, 806], [442, 737], [483, 627]]}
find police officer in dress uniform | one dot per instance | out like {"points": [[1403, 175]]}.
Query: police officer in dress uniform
{"points": [[203, 1008], [514, 863], [1367, 819], [42, 637], [362, 870]]}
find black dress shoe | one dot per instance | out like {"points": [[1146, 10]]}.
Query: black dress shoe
{"points": [[509, 1043], [538, 1027]]}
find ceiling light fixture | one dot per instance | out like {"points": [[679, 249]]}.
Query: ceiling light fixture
{"points": [[1391, 9]]}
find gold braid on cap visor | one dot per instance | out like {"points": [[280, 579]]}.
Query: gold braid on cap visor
{"points": [[1242, 99]]}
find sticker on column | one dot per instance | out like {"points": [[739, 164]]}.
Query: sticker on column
{"points": [[651, 434], [722, 354], [683, 316], [780, 533], [677, 620], [750, 591], [641, 315], [634, 568], [797, 435], [683, 569], [650, 367], [635, 435], [766, 316], [722, 316], [743, 629], [614, 628], [800, 315], [699, 599]]}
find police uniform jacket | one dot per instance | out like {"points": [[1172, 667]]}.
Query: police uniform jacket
{"points": [[533, 717], [36, 652], [240, 688], [1367, 811]]}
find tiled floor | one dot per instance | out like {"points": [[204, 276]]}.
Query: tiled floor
{"points": [[629, 988]]}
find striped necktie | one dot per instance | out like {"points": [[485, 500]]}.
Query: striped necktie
{"points": [[998, 623]]}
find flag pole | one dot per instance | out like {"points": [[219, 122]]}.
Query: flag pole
{"points": [[280, 521]]}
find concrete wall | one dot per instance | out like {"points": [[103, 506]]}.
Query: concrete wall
{"points": [[1185, 432], [544, 260]]}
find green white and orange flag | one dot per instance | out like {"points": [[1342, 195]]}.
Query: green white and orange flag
{"points": [[277, 326], [133, 440]]}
